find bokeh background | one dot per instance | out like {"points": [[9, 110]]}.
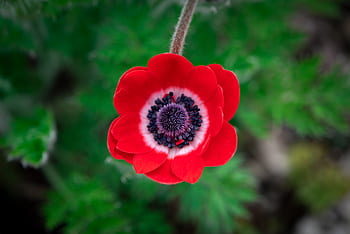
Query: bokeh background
{"points": [[60, 61]]}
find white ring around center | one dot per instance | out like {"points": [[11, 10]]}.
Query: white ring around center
{"points": [[148, 136]]}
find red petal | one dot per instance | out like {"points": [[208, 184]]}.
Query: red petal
{"points": [[128, 135], [137, 68], [163, 174], [147, 162], [188, 167], [222, 147], [170, 69], [111, 144], [122, 155], [215, 112], [229, 83], [131, 94], [202, 81], [111, 141]]}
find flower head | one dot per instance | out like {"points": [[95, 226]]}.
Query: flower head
{"points": [[173, 118]]}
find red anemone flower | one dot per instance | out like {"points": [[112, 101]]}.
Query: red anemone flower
{"points": [[174, 118]]}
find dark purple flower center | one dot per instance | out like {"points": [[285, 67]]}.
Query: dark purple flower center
{"points": [[174, 122], [172, 119]]}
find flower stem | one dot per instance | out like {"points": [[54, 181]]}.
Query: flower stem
{"points": [[56, 181], [178, 39]]}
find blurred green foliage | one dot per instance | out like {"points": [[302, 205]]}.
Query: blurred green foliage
{"points": [[85, 206], [212, 204], [319, 182], [219, 198], [31, 138], [277, 89], [60, 61]]}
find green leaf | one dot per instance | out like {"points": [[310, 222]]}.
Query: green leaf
{"points": [[221, 194], [84, 206], [31, 138]]}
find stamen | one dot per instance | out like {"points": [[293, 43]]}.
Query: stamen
{"points": [[174, 121]]}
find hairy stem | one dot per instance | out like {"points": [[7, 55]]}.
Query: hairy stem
{"points": [[178, 39]]}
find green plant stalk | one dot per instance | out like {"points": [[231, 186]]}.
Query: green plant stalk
{"points": [[56, 181]]}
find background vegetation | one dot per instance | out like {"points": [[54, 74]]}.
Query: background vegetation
{"points": [[60, 61]]}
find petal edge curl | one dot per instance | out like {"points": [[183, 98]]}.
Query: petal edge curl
{"points": [[188, 167], [222, 147], [148, 162], [112, 143], [131, 93], [215, 111], [230, 85], [164, 175], [126, 131]]}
